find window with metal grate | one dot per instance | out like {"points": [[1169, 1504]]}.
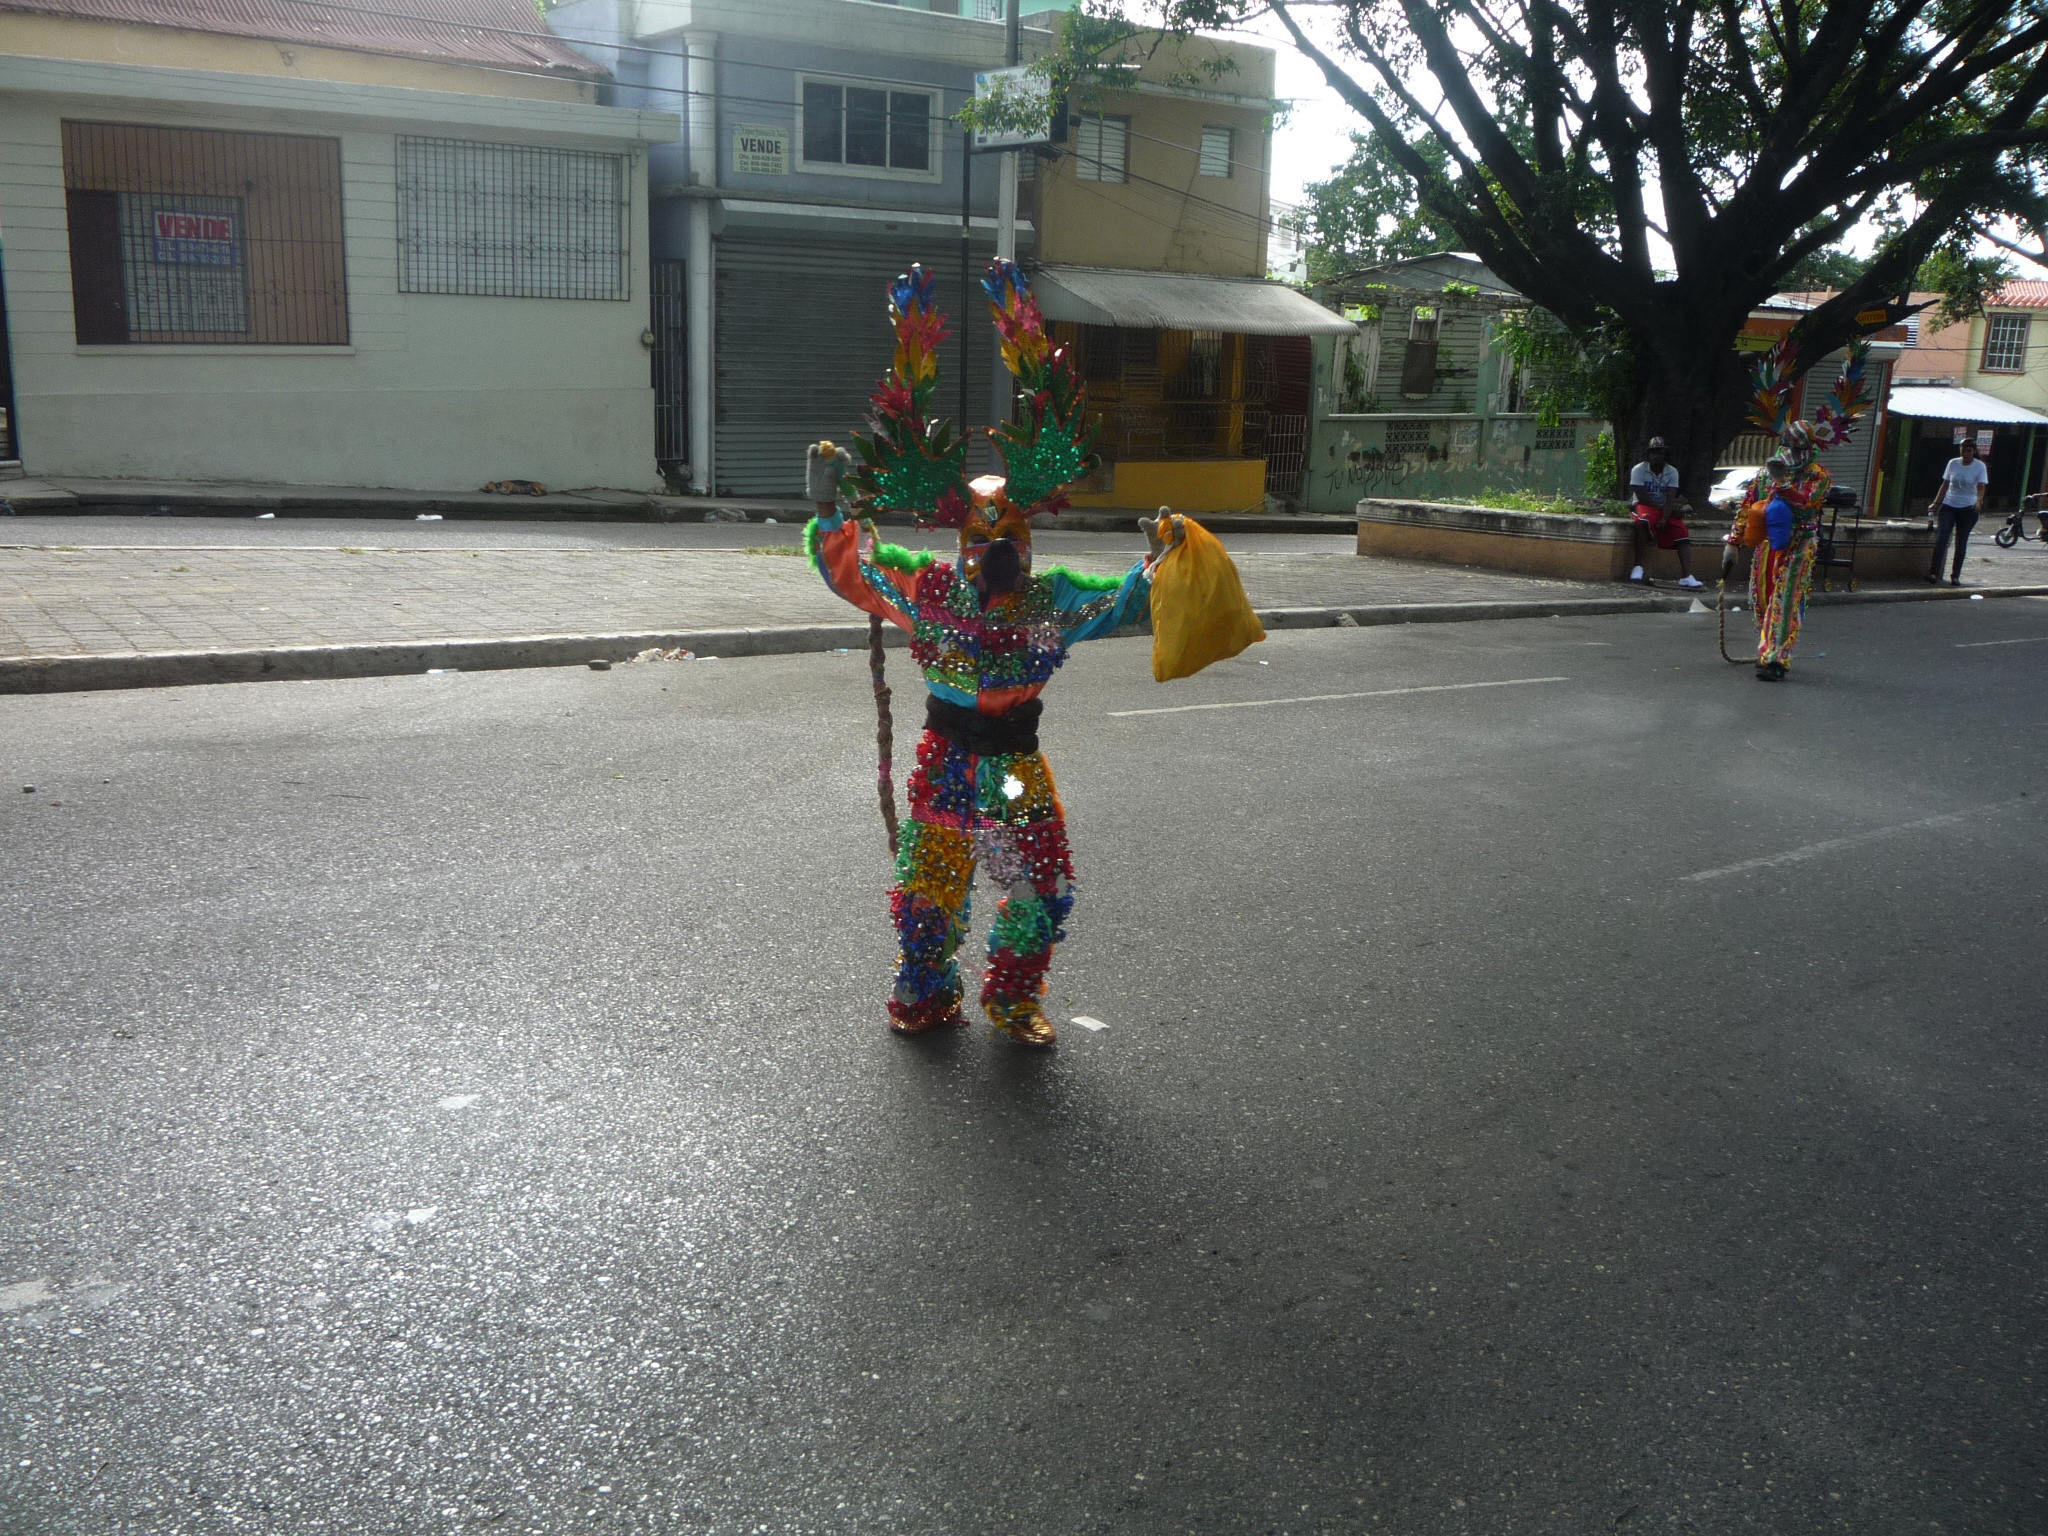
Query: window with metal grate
{"points": [[195, 236], [512, 221], [2005, 343]]}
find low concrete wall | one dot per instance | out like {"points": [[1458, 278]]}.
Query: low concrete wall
{"points": [[1596, 548]]}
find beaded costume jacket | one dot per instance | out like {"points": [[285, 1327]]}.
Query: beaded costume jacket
{"points": [[989, 658]]}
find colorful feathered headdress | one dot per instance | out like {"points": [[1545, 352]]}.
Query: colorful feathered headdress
{"points": [[1771, 406], [911, 463]]}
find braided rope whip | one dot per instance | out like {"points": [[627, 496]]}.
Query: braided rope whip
{"points": [[885, 733], [1721, 615]]}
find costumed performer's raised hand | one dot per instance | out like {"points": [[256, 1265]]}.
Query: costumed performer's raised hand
{"points": [[1162, 533], [824, 463]]}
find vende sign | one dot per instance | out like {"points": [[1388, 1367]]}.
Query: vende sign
{"points": [[195, 239]]}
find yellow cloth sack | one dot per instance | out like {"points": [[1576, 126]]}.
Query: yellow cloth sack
{"points": [[1199, 611], [1749, 527]]}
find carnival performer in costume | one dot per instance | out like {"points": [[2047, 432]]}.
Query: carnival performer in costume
{"points": [[988, 633], [1781, 514]]}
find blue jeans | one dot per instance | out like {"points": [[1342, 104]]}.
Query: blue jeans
{"points": [[1952, 520]]}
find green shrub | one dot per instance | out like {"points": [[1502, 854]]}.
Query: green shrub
{"points": [[1603, 469]]}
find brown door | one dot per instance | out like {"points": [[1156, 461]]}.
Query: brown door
{"points": [[99, 300]]}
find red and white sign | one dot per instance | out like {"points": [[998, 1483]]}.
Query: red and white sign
{"points": [[195, 239]]}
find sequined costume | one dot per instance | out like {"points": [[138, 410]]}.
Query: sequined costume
{"points": [[1786, 500], [982, 794]]}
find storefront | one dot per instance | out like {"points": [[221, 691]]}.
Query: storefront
{"points": [[1929, 422], [1199, 384]]}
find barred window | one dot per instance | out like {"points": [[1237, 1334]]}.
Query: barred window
{"points": [[1216, 148], [1101, 145], [1556, 439], [512, 221], [1407, 436], [2005, 343], [192, 236]]}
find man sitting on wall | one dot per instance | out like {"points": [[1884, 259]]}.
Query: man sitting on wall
{"points": [[1653, 486]]}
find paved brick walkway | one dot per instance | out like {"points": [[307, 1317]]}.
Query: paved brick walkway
{"points": [[57, 601]]}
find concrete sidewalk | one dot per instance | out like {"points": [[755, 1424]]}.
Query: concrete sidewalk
{"points": [[76, 618], [184, 498]]}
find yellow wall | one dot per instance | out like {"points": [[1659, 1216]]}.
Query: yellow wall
{"points": [[1165, 218], [1228, 485], [100, 42], [2028, 389]]}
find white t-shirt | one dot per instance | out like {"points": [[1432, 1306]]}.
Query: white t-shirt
{"points": [[1665, 481], [1962, 481]]}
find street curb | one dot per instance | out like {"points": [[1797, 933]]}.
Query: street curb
{"points": [[302, 663]]}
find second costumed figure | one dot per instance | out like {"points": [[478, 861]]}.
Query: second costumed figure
{"points": [[987, 633], [1782, 512]]}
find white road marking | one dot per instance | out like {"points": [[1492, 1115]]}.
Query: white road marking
{"points": [[1974, 645], [1091, 1025], [1876, 834], [1329, 698]]}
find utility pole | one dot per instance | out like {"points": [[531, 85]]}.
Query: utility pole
{"points": [[1001, 402], [1006, 203]]}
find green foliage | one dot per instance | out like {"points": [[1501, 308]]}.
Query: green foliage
{"points": [[1550, 506], [1964, 281], [1366, 214], [1099, 51], [1567, 371], [1603, 463], [1458, 290], [1824, 270]]}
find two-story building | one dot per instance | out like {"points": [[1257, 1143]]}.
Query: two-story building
{"points": [[821, 156], [1153, 220], [265, 241], [1999, 399]]}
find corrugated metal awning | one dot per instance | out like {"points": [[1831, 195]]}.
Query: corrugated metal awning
{"points": [[1951, 402], [492, 33], [1181, 301]]}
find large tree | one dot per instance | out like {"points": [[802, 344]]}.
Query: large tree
{"points": [[1651, 170]]}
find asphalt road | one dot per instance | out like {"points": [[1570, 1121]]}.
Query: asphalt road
{"points": [[1611, 1100]]}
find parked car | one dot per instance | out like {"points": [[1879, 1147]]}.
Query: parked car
{"points": [[1733, 485]]}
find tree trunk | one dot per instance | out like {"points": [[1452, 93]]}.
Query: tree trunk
{"points": [[1694, 395]]}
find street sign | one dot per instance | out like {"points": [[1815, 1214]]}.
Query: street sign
{"points": [[1024, 95]]}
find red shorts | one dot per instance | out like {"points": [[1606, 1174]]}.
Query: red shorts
{"points": [[1668, 526]]}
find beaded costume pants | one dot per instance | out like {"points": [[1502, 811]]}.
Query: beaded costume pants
{"points": [[1779, 581], [1002, 813]]}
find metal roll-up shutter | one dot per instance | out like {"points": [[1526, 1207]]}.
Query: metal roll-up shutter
{"points": [[803, 337], [1849, 465]]}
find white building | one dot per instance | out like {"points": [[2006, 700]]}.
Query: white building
{"points": [[256, 240]]}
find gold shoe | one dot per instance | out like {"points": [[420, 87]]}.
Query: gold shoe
{"points": [[926, 1023], [1023, 1021]]}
